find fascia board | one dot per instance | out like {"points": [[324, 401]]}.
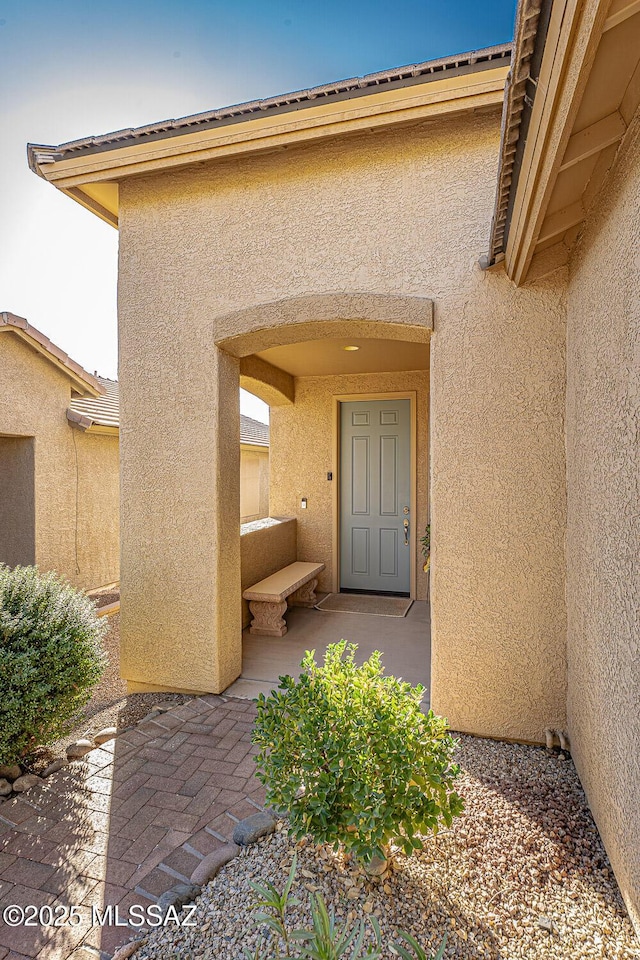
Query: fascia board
{"points": [[85, 384], [574, 33], [453, 95]]}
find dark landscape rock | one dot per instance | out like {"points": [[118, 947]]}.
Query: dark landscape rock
{"points": [[252, 828], [208, 868]]}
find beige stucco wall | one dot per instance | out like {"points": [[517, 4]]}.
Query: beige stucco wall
{"points": [[302, 453], [407, 213], [17, 501], [98, 508], [498, 508], [264, 549], [254, 483], [80, 542], [603, 528]]}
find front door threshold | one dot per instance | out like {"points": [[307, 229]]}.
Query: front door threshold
{"points": [[375, 593]]}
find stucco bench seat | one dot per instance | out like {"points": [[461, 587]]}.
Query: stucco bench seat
{"points": [[268, 598]]}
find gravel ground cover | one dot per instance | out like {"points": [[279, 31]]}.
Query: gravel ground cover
{"points": [[109, 705], [103, 597], [522, 874]]}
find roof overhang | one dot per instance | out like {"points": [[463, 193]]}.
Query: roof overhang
{"points": [[90, 170], [81, 380], [84, 424], [573, 89], [251, 446]]}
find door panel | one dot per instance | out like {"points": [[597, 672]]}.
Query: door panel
{"points": [[360, 473], [375, 490], [360, 551]]}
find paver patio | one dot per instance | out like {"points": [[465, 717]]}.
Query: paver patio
{"points": [[126, 823]]}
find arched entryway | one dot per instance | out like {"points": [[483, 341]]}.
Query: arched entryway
{"points": [[316, 360]]}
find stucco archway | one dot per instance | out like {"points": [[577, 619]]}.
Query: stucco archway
{"points": [[263, 340], [316, 316], [244, 333]]}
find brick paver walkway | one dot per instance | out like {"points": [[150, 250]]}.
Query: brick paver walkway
{"points": [[125, 824]]}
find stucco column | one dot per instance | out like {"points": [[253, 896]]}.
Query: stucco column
{"points": [[180, 460], [498, 509]]}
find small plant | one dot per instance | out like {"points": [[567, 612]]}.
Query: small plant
{"points": [[324, 940], [418, 952], [50, 658], [352, 758], [272, 908]]}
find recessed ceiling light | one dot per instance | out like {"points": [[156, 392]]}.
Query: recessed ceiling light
{"points": [[351, 348]]}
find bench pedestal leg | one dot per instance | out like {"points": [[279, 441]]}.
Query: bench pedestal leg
{"points": [[267, 618], [305, 596]]}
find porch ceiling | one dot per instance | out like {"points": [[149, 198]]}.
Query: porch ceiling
{"points": [[318, 358]]}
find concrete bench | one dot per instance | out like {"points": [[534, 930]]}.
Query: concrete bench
{"points": [[268, 598]]}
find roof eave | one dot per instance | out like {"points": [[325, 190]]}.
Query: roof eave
{"points": [[83, 382], [532, 20], [585, 93], [466, 82]]}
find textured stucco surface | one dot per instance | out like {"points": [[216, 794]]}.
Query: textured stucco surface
{"points": [[603, 525], [76, 476], [402, 214], [264, 550], [271, 384], [302, 453], [180, 558], [17, 501], [498, 509], [254, 484]]}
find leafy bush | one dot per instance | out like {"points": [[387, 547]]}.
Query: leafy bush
{"points": [[50, 658], [352, 758]]}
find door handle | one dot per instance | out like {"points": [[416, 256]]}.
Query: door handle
{"points": [[405, 524]]}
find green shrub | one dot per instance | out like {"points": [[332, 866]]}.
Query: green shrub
{"points": [[352, 758], [50, 658]]}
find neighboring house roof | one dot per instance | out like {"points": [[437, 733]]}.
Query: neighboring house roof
{"points": [[101, 411], [82, 381], [253, 432], [102, 415]]}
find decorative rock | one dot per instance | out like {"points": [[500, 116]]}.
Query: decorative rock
{"points": [[10, 771], [5, 787], [376, 866], [126, 950], [54, 767], [252, 828], [208, 868], [79, 748], [25, 782], [165, 705], [150, 716], [179, 895], [545, 924], [104, 735]]}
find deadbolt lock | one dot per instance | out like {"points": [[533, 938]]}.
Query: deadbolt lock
{"points": [[406, 511]]}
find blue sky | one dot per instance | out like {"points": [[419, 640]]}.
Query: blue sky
{"points": [[71, 68]]}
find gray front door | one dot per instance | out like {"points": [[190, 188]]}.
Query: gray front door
{"points": [[375, 488]]}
